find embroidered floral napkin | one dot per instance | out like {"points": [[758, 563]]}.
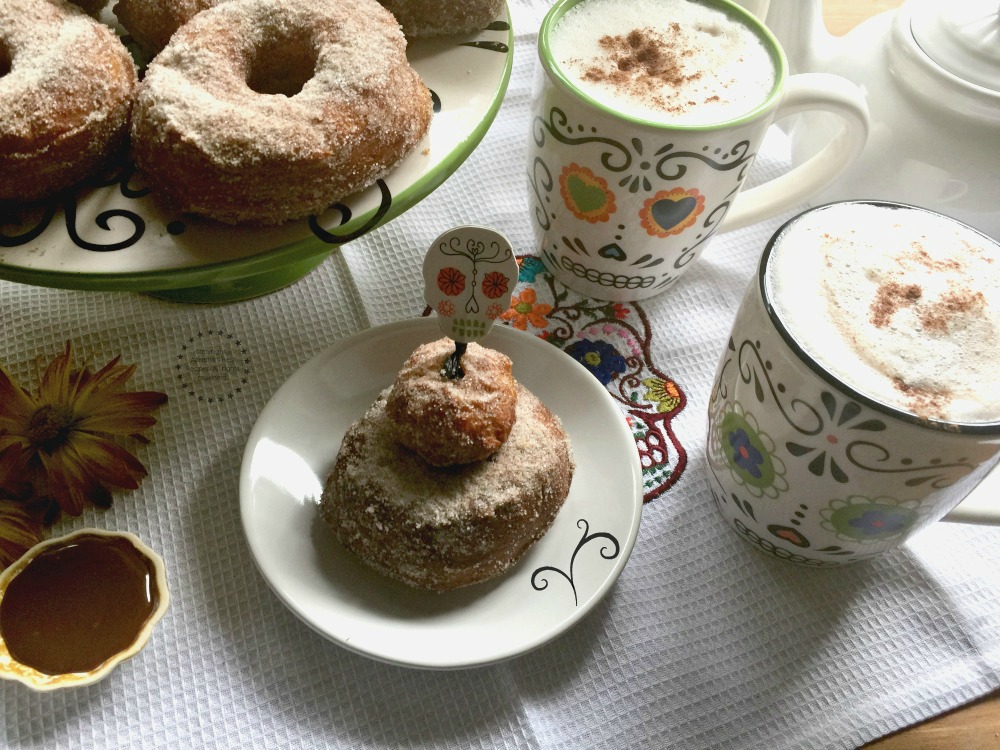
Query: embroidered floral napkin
{"points": [[704, 642]]}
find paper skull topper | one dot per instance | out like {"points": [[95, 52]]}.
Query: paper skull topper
{"points": [[469, 277]]}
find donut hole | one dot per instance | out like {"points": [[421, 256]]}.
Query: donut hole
{"points": [[282, 64], [5, 60]]}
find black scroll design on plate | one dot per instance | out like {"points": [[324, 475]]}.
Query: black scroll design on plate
{"points": [[739, 153], [558, 121], [489, 46], [609, 552], [103, 220], [9, 217], [121, 175], [500, 47], [345, 216]]}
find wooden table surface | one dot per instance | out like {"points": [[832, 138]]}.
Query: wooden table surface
{"points": [[972, 727]]}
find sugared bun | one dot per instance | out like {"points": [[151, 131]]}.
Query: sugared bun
{"points": [[153, 22], [440, 529], [66, 90], [265, 112], [435, 17], [456, 421]]}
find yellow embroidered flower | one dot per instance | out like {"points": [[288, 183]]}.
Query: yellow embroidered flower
{"points": [[664, 393], [69, 432]]}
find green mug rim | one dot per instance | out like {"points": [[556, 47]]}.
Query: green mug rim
{"points": [[731, 9]]}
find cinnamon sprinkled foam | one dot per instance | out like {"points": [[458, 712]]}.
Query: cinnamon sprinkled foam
{"points": [[901, 304], [670, 61]]}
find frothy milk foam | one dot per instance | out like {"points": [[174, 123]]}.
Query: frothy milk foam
{"points": [[901, 304], [670, 61]]}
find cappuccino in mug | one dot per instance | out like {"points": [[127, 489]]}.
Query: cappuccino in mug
{"points": [[901, 304], [666, 61], [857, 398]]}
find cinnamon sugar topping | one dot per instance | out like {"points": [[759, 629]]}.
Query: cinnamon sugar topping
{"points": [[680, 62], [642, 63]]}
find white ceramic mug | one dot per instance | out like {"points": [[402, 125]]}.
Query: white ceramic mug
{"points": [[806, 467], [621, 206]]}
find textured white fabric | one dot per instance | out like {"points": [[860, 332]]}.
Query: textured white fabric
{"points": [[703, 643]]}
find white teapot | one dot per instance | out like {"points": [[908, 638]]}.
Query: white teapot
{"points": [[931, 74]]}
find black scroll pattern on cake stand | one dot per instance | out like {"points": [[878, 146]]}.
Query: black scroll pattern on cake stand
{"points": [[120, 174], [500, 47], [609, 552]]}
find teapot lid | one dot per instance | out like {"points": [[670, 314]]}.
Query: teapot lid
{"points": [[962, 37]]}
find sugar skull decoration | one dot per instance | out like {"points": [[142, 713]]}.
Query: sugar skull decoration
{"points": [[469, 277]]}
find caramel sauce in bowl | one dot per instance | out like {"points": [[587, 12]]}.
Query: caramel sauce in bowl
{"points": [[73, 608]]}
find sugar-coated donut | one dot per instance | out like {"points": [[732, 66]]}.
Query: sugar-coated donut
{"points": [[66, 90], [261, 111], [93, 7], [152, 22], [453, 421], [439, 529], [436, 17]]}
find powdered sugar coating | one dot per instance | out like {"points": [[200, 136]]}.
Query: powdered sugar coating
{"points": [[443, 528], [453, 421], [219, 138], [153, 22], [66, 89], [435, 17]]}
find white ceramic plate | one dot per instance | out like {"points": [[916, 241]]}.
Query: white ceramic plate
{"points": [[112, 235], [292, 448]]}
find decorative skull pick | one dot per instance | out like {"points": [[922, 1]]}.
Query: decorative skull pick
{"points": [[469, 277]]}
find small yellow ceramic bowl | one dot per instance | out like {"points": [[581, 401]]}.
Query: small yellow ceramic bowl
{"points": [[75, 607]]}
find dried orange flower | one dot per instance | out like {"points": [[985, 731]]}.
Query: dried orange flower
{"points": [[69, 433], [19, 531]]}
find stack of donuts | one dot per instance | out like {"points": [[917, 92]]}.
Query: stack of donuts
{"points": [[445, 482], [259, 111]]}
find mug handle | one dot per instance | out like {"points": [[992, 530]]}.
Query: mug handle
{"points": [[806, 92], [982, 505]]}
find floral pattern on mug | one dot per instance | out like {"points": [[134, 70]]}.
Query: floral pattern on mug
{"points": [[863, 519], [586, 195], [749, 454], [670, 212]]}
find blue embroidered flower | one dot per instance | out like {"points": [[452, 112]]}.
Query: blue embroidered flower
{"points": [[600, 357], [745, 455], [530, 268]]}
